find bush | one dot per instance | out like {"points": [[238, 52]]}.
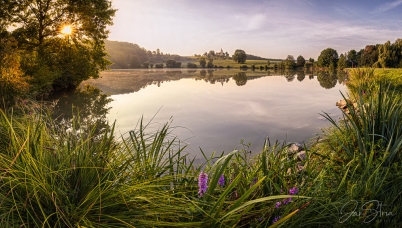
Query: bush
{"points": [[145, 64], [159, 65], [191, 65]]}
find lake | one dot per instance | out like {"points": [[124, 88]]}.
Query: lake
{"points": [[215, 109]]}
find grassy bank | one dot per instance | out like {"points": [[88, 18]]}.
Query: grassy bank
{"points": [[53, 176], [231, 63]]}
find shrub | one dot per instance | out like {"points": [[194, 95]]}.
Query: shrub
{"points": [[191, 65]]}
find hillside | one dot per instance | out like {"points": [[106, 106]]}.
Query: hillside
{"points": [[125, 55]]}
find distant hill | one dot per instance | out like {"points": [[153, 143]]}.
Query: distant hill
{"points": [[125, 55]]}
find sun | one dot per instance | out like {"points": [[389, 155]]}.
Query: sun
{"points": [[67, 30]]}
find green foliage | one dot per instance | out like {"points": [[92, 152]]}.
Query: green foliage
{"points": [[342, 63], [159, 65], [390, 55], [191, 65], [210, 63], [13, 84], [145, 64], [202, 61], [68, 60], [369, 56], [173, 64], [300, 61], [328, 58], [239, 56], [289, 62]]}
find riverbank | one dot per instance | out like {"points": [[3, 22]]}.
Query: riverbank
{"points": [[73, 176]]}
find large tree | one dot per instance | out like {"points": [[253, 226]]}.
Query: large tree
{"points": [[290, 62], [64, 60], [328, 58], [239, 56], [300, 61]]}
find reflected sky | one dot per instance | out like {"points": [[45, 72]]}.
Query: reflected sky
{"points": [[217, 116]]}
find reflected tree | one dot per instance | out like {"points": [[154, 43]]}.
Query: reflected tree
{"points": [[203, 73], [290, 75], [240, 78], [89, 104], [341, 75], [300, 76], [327, 79]]}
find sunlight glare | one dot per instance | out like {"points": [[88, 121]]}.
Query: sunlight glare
{"points": [[66, 30]]}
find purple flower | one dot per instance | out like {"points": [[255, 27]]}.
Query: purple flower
{"points": [[255, 180], [293, 191], [276, 219], [202, 183], [286, 201], [278, 204], [221, 180]]}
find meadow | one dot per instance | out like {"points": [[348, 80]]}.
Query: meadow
{"points": [[75, 175]]}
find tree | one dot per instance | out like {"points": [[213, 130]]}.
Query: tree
{"points": [[12, 83], [290, 62], [210, 63], [342, 62], [390, 55], [369, 56], [171, 63], [328, 58], [300, 61], [203, 62], [352, 57], [70, 59], [311, 60], [239, 56]]}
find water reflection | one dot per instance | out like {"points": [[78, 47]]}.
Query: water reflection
{"points": [[88, 103], [300, 76], [126, 81], [249, 104], [240, 78]]}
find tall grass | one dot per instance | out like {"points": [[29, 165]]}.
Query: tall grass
{"points": [[58, 176], [54, 176]]}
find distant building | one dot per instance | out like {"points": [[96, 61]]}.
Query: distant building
{"points": [[220, 54]]}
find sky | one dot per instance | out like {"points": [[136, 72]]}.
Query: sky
{"points": [[266, 28]]}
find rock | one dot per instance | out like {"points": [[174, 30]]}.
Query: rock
{"points": [[343, 105], [301, 155], [300, 168], [294, 148]]}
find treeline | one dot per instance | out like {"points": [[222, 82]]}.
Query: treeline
{"points": [[124, 55], [387, 55]]}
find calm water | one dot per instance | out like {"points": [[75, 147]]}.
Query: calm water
{"points": [[215, 109]]}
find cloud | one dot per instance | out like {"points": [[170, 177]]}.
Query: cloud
{"points": [[389, 5]]}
